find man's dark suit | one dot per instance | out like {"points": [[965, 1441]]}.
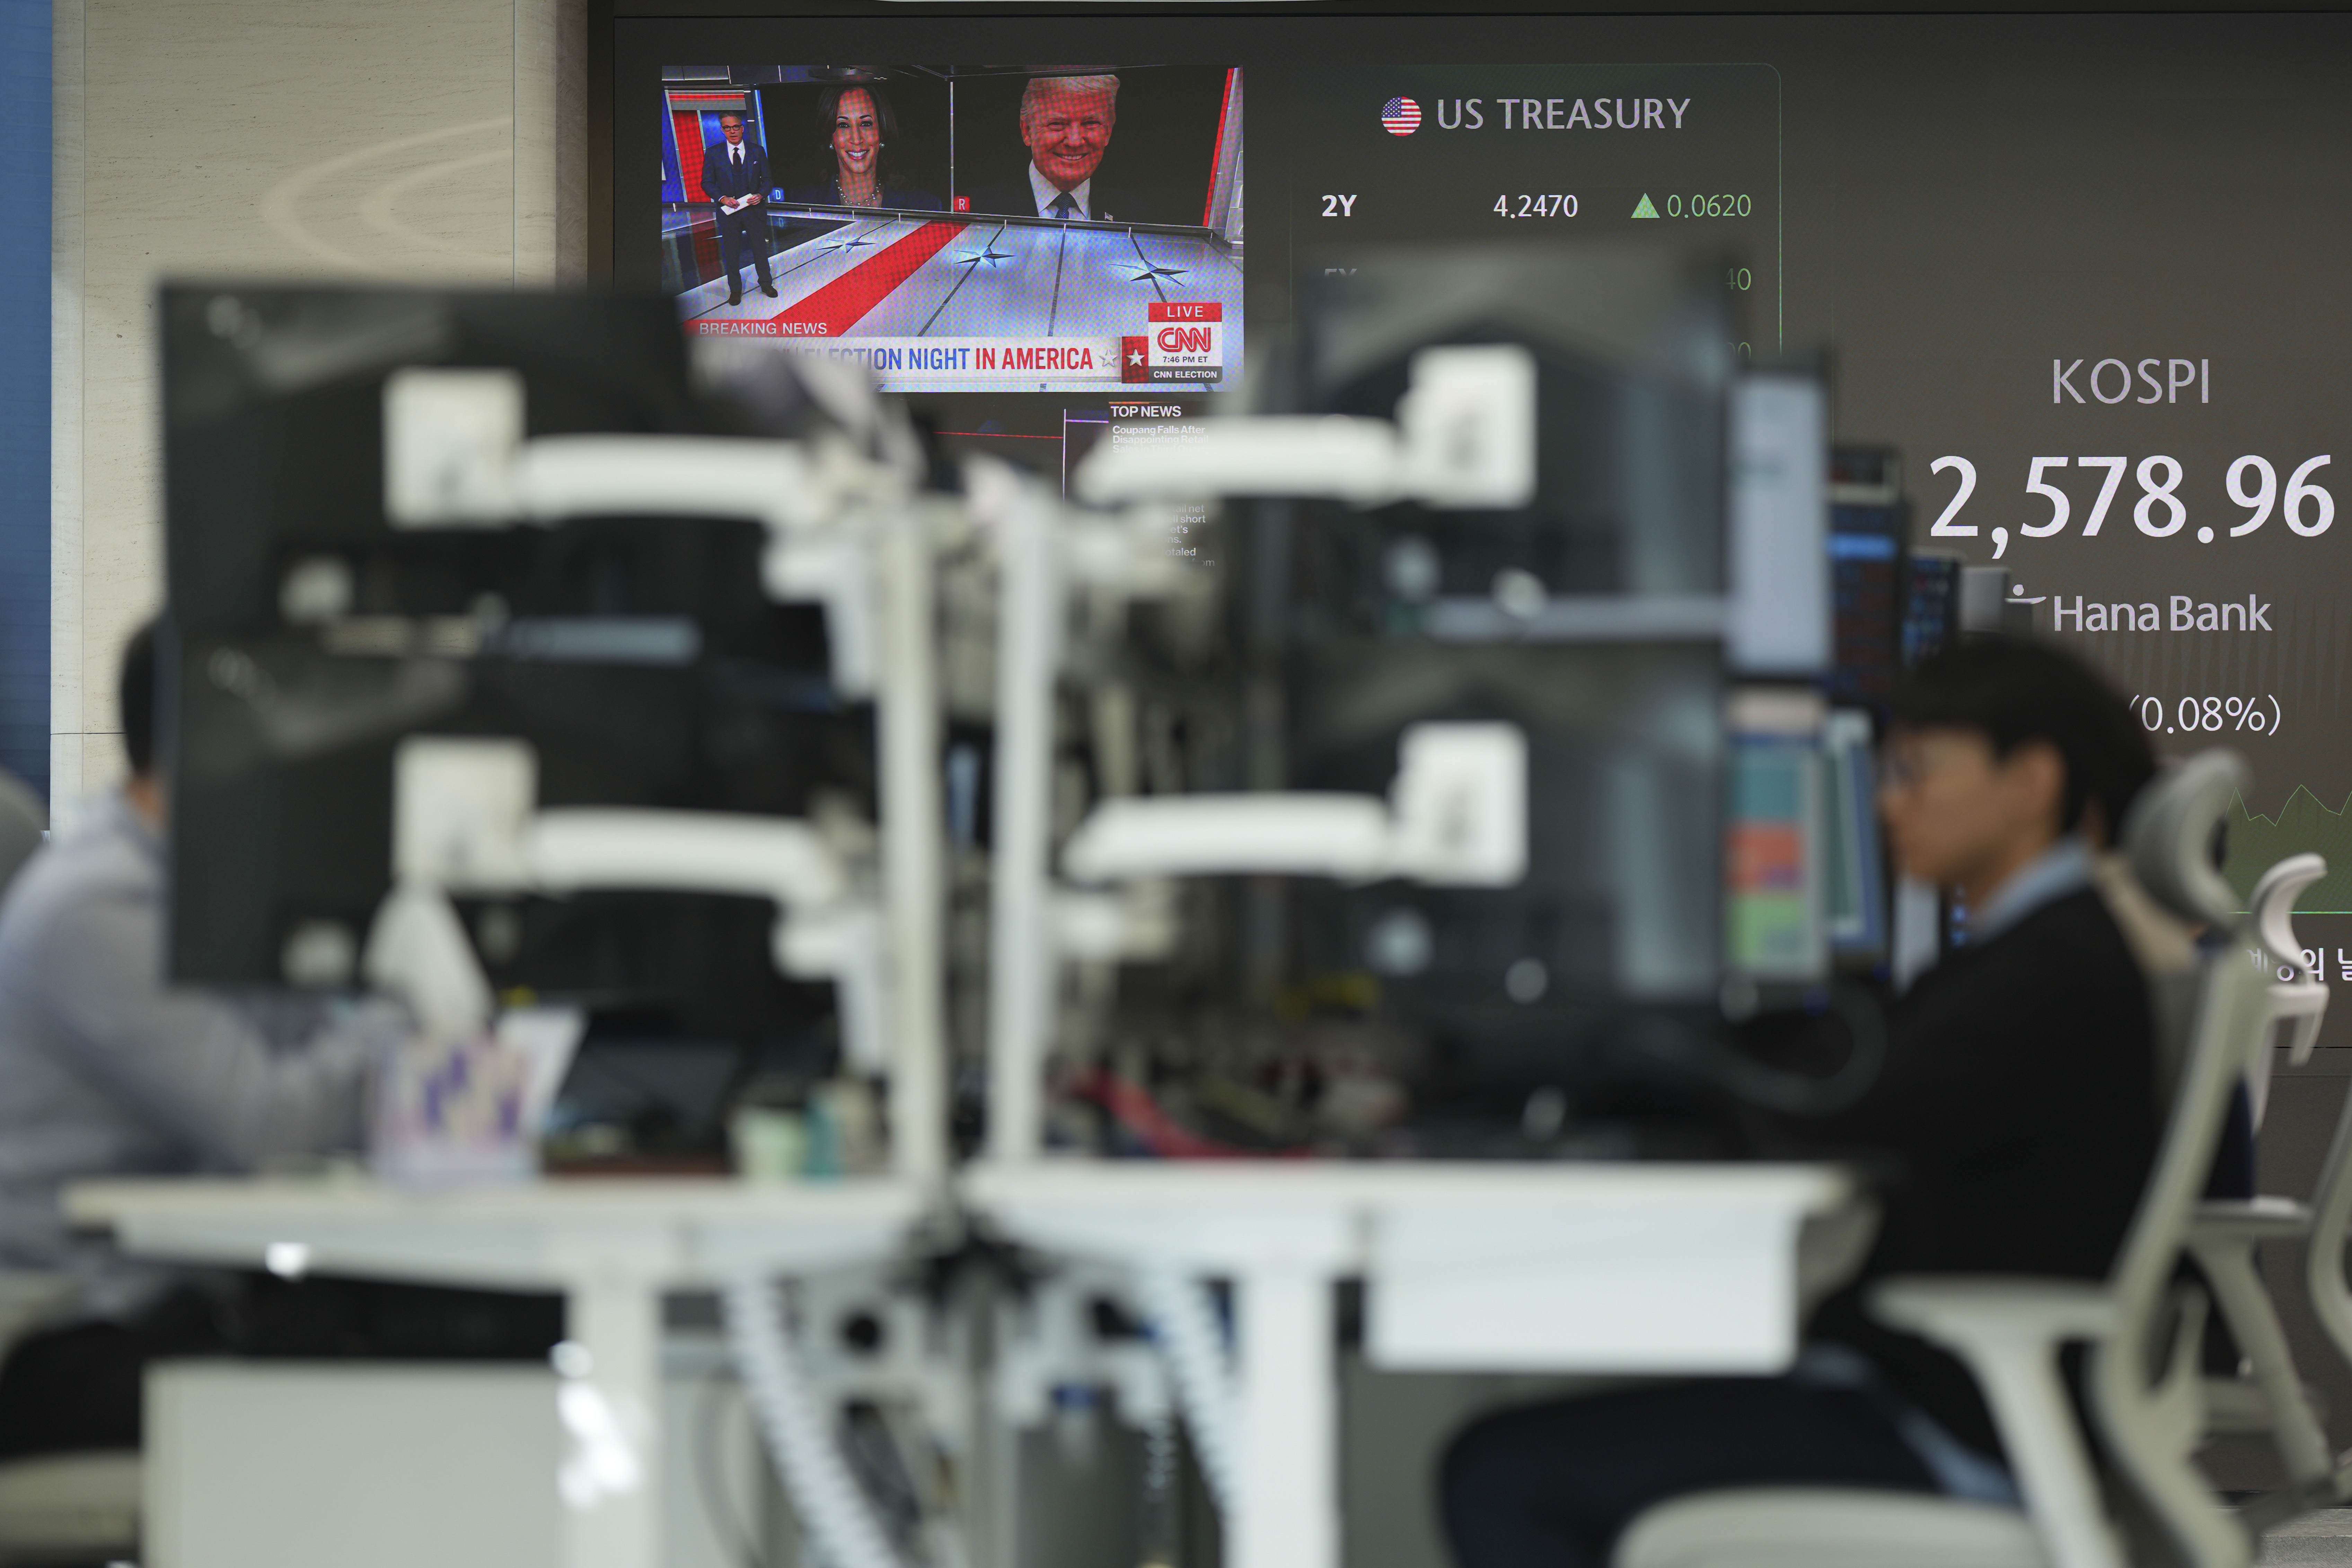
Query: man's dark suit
{"points": [[2017, 1110], [746, 229]]}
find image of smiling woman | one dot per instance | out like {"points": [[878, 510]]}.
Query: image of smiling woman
{"points": [[859, 127]]}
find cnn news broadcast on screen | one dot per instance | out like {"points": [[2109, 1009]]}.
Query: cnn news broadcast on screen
{"points": [[963, 229]]}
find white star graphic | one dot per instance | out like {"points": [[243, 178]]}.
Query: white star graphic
{"points": [[1133, 357]]}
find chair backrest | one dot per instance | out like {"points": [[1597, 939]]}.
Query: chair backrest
{"points": [[2273, 905], [2170, 833], [2141, 1375], [2299, 1003], [2331, 1202], [2169, 837], [22, 822], [2165, 947]]}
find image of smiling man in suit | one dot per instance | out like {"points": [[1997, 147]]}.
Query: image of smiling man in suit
{"points": [[1066, 123]]}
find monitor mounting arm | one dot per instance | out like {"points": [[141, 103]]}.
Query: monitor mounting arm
{"points": [[466, 821], [842, 530], [1456, 816], [456, 458], [1465, 436]]}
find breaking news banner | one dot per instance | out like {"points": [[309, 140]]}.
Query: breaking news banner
{"points": [[960, 364], [1181, 342]]}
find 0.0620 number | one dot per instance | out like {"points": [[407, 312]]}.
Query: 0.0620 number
{"points": [[1536, 206], [2158, 512], [1709, 206]]}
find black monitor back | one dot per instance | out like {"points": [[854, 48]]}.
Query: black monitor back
{"points": [[1582, 617], [1632, 367], [639, 656], [1616, 921]]}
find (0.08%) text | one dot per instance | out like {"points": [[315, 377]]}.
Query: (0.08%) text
{"points": [[2193, 714]]}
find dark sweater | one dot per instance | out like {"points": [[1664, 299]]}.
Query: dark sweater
{"points": [[2016, 1115]]}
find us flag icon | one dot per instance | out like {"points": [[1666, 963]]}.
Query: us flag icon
{"points": [[1403, 117]]}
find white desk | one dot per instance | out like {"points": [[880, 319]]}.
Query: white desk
{"points": [[1567, 1266], [612, 1246], [1613, 1267]]}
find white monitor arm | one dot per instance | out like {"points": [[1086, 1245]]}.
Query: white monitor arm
{"points": [[1456, 816], [1464, 436], [824, 928], [454, 456], [815, 503], [842, 530], [466, 820]]}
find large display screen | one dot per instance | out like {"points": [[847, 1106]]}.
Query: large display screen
{"points": [[962, 228], [2083, 273]]}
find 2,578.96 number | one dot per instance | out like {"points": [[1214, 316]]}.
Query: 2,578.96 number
{"points": [[2158, 512]]}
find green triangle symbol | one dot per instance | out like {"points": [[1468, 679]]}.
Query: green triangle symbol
{"points": [[1645, 209]]}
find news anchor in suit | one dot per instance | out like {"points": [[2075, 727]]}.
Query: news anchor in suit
{"points": [[1066, 123], [735, 175]]}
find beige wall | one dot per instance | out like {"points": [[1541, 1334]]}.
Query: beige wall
{"points": [[410, 141]]}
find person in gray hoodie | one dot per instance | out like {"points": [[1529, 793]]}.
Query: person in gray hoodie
{"points": [[106, 1069]]}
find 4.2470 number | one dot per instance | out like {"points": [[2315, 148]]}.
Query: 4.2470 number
{"points": [[1536, 206]]}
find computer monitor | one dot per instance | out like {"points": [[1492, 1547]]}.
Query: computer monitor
{"points": [[1778, 518], [1931, 603], [1868, 525], [1615, 921], [309, 634], [1776, 886], [1857, 859], [1592, 620], [1582, 619], [983, 287], [1630, 383], [1805, 882]]}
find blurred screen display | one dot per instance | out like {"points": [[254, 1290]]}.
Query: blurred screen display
{"points": [[2077, 273]]}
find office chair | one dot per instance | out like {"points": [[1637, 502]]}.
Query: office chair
{"points": [[2273, 1400], [2228, 1231], [2142, 1333], [22, 825], [2300, 1003], [61, 1507], [82, 1507], [2330, 1228]]}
